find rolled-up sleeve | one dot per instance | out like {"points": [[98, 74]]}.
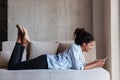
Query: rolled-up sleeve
{"points": [[76, 56]]}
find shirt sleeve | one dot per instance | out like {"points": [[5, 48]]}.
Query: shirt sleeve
{"points": [[76, 56]]}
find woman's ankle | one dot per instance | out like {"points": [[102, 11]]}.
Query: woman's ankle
{"points": [[18, 40], [24, 42]]}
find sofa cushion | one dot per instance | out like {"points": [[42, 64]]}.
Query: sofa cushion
{"points": [[38, 48], [8, 45], [5, 56], [63, 45]]}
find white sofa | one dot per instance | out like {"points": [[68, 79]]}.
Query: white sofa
{"points": [[37, 48]]}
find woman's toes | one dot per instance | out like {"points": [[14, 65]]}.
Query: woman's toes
{"points": [[19, 33], [19, 28]]}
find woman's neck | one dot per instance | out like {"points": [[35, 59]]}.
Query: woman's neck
{"points": [[82, 48]]}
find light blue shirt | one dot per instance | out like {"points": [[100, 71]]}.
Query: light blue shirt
{"points": [[69, 59]]}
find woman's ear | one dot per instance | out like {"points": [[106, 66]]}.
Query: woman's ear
{"points": [[84, 44]]}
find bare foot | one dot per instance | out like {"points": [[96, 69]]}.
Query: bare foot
{"points": [[20, 33], [26, 39]]}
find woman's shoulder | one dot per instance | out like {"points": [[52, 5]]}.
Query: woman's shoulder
{"points": [[74, 46], [75, 49]]}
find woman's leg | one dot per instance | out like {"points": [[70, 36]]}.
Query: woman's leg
{"points": [[15, 61], [16, 55], [16, 64], [36, 63], [18, 49]]}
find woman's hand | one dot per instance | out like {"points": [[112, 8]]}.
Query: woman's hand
{"points": [[94, 64], [100, 62]]}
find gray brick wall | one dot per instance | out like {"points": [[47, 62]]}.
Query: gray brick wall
{"points": [[3, 21]]}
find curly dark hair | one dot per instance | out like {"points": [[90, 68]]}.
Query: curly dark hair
{"points": [[82, 36]]}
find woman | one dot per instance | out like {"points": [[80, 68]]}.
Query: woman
{"points": [[69, 59]]}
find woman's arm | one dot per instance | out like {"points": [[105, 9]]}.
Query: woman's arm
{"points": [[94, 64]]}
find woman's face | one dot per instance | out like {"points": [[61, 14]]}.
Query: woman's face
{"points": [[88, 46]]}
